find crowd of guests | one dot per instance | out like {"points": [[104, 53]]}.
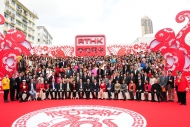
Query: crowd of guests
{"points": [[136, 74]]}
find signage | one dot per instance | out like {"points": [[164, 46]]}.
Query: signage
{"points": [[90, 45]]}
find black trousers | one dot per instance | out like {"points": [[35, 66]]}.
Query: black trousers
{"points": [[93, 94], [123, 93], [51, 93], [157, 94], [17, 92], [69, 96], [164, 96], [87, 94], [109, 94], [12, 93], [116, 94], [182, 97], [27, 96], [74, 93], [6, 93], [47, 93], [59, 94], [81, 94], [138, 94], [176, 88], [131, 93]]}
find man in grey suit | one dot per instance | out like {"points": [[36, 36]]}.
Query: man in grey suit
{"points": [[163, 84]]}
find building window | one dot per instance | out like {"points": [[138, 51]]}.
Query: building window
{"points": [[38, 40], [6, 24], [19, 23], [4, 32], [38, 34]]}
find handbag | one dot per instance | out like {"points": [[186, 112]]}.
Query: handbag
{"points": [[163, 89]]}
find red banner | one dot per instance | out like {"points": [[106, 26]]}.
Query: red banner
{"points": [[90, 45]]}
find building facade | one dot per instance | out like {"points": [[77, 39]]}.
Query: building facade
{"points": [[43, 36], [146, 25], [17, 16]]}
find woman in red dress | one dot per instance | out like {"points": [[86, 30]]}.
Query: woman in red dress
{"points": [[102, 89], [39, 89]]}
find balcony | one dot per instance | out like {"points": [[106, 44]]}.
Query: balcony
{"points": [[6, 20], [19, 27], [7, 2], [12, 23]]}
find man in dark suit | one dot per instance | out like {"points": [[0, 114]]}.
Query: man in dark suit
{"points": [[132, 78], [145, 77], [53, 89], [68, 72], [170, 86], [109, 89], [18, 82], [85, 77], [67, 88], [92, 78], [119, 78], [139, 89], [88, 87], [135, 72], [100, 71], [146, 69], [60, 89], [80, 88], [163, 83], [77, 78], [95, 89], [32, 89], [12, 87]]}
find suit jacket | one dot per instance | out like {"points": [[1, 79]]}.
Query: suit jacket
{"points": [[84, 78], [68, 74], [95, 87], [135, 72], [29, 86], [78, 86], [19, 81], [70, 86], [100, 72], [146, 69], [140, 87], [91, 80], [12, 83], [112, 87], [88, 86], [147, 78], [171, 83], [51, 85], [60, 87], [163, 81]]}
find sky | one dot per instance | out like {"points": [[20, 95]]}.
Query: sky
{"points": [[118, 20]]}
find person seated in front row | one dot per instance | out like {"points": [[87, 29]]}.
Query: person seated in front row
{"points": [[109, 89], [68, 88], [132, 89], [32, 89], [88, 88], [140, 89], [156, 89], [60, 89], [80, 88], [95, 89], [46, 89], [147, 89], [53, 89], [40, 89], [24, 90], [74, 89], [124, 89], [102, 89], [117, 88]]}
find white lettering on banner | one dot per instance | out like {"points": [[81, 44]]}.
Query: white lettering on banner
{"points": [[81, 41]]}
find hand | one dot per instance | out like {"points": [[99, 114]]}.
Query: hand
{"points": [[137, 90], [140, 90], [154, 90], [170, 80]]}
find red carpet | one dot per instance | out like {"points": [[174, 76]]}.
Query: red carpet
{"points": [[164, 114]]}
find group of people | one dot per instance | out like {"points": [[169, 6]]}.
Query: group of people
{"points": [[58, 78]]}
